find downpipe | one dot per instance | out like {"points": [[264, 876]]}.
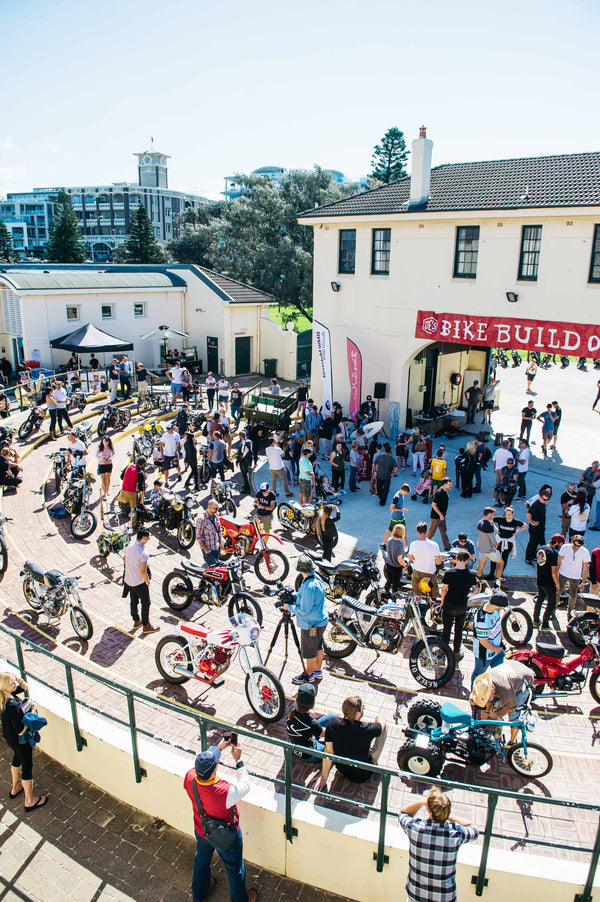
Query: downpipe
{"points": [[349, 632]]}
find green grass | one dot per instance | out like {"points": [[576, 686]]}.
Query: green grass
{"points": [[284, 316]]}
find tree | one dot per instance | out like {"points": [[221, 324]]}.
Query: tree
{"points": [[7, 253], [65, 244], [141, 246], [389, 157], [193, 245]]}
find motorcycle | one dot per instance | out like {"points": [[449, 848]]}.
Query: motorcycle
{"points": [[3, 548], [382, 629], [303, 517], [516, 359], [349, 578], [173, 512], [502, 358], [436, 733], [33, 421], [516, 622], [596, 363], [582, 364], [215, 584], [582, 626], [113, 538], [564, 361], [243, 539], [546, 362], [75, 500], [113, 418], [563, 677], [143, 444], [76, 399], [223, 495], [54, 593], [205, 655], [60, 463], [204, 472]]}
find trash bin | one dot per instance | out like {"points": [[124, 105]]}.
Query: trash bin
{"points": [[270, 366]]}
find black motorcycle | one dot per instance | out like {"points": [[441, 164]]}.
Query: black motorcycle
{"points": [[76, 399], [582, 364], [60, 464], [348, 578], [33, 421], [216, 585], [516, 359], [517, 625], [596, 363], [564, 361], [546, 362], [76, 499], [173, 512], [113, 418], [502, 358]]}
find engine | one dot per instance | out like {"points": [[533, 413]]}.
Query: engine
{"points": [[347, 584], [569, 682], [54, 602], [208, 594], [212, 660], [385, 636]]}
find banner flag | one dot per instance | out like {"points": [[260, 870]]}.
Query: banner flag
{"points": [[323, 341], [355, 377]]}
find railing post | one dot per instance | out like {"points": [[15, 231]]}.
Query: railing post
{"points": [[139, 771], [586, 895], [203, 737], [288, 828], [20, 658], [79, 741], [480, 880], [383, 811]]}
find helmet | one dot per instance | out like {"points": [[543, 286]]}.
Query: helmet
{"points": [[425, 586], [304, 564]]}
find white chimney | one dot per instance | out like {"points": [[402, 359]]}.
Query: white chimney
{"points": [[420, 176]]}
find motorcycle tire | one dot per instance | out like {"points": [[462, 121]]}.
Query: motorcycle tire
{"points": [[420, 762], [103, 548], [177, 591], [517, 627], [102, 427], [30, 596], [186, 534], [269, 703], [418, 662], [271, 566], [83, 525], [168, 647], [337, 643], [144, 407], [286, 515], [424, 715], [594, 688], [537, 763], [226, 550], [57, 479], [432, 621], [245, 604], [540, 686], [26, 428], [170, 519], [298, 582], [376, 597], [124, 418], [3, 555], [230, 508], [204, 473], [81, 404], [581, 626], [81, 623]]}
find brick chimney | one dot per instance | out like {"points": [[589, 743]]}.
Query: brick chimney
{"points": [[420, 176]]}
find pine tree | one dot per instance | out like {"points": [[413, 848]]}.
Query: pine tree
{"points": [[141, 245], [389, 157], [65, 244], [7, 253]]}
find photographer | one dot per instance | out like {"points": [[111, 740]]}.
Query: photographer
{"points": [[311, 616], [218, 799]]}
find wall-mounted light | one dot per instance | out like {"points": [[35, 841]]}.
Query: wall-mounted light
{"points": [[335, 286], [512, 296], [422, 388]]}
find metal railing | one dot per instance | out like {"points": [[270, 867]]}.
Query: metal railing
{"points": [[204, 722]]}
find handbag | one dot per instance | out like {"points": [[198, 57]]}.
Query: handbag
{"points": [[219, 833], [420, 446]]}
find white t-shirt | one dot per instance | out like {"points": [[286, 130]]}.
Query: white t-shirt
{"points": [[524, 455], [578, 519], [500, 458], [424, 552], [275, 457], [572, 562], [223, 386], [175, 374], [60, 396], [170, 441], [79, 452]]}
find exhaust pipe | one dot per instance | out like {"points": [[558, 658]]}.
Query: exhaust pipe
{"points": [[179, 668], [350, 634]]}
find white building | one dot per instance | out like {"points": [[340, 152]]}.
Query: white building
{"points": [[426, 274]]}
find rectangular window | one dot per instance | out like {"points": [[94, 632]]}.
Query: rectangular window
{"points": [[466, 251], [72, 313], [347, 252], [595, 261], [107, 311], [139, 310], [531, 240], [380, 254]]}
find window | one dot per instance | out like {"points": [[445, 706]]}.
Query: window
{"points": [[380, 255], [595, 261], [347, 251], [139, 310], [107, 311], [531, 240], [72, 313], [465, 254]]}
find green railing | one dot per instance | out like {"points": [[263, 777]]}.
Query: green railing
{"points": [[204, 721]]}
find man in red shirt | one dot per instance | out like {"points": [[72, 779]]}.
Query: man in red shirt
{"points": [[219, 800]]}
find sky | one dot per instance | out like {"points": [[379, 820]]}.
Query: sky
{"points": [[225, 87]]}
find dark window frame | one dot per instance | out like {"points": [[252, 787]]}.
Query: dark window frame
{"points": [[595, 258], [345, 267], [378, 252], [532, 255], [464, 256]]}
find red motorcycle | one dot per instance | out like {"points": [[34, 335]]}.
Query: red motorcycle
{"points": [[562, 677], [271, 566], [215, 585]]}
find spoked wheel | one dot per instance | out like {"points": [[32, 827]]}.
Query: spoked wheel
{"points": [[285, 515], [81, 403], [271, 566], [172, 652], [424, 715], [177, 591], [581, 626], [204, 472], [57, 479], [144, 406], [432, 665], [83, 524], [102, 426], [517, 627], [305, 525], [230, 508], [594, 688], [125, 418], [265, 694], [538, 687], [245, 604], [81, 623], [186, 535], [536, 762], [26, 428], [376, 597], [426, 762], [103, 547], [3, 555], [432, 619], [162, 401], [337, 643], [30, 596]]}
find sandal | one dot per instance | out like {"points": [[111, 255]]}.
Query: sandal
{"points": [[13, 795], [39, 804]]}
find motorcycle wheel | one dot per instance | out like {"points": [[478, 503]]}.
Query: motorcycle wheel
{"points": [[177, 591], [26, 428], [517, 627], [337, 643], [435, 672], [594, 689], [186, 535], [81, 623], [172, 650], [536, 763], [271, 566], [422, 762], [226, 550], [377, 597], [81, 404], [144, 407], [432, 621], [581, 626], [230, 508], [103, 547], [245, 604], [424, 715], [30, 596], [3, 555], [305, 525], [102, 427], [83, 524], [298, 582], [204, 473], [267, 699], [124, 418], [285, 515], [57, 479], [539, 687]]}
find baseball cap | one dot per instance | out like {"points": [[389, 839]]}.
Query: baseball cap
{"points": [[171, 425], [306, 694], [264, 486], [462, 536], [499, 599], [207, 761], [557, 539]]}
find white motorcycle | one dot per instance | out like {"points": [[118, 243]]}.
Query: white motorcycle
{"points": [[54, 593]]}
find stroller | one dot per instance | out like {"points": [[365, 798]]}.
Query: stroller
{"points": [[323, 489]]}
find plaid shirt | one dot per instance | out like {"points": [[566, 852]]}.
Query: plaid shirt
{"points": [[432, 857], [208, 531]]}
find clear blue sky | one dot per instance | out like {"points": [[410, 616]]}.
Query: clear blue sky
{"points": [[227, 86]]}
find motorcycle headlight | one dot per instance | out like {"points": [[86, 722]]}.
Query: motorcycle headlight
{"points": [[189, 503], [177, 505]]}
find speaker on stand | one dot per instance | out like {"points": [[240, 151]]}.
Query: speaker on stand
{"points": [[379, 392]]}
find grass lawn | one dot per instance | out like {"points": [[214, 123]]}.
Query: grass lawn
{"points": [[282, 317]]}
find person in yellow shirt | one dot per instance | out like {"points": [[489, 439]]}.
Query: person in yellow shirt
{"points": [[439, 469]]}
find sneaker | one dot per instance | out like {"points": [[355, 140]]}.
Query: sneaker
{"points": [[303, 678], [136, 624], [150, 629], [317, 675], [459, 655]]}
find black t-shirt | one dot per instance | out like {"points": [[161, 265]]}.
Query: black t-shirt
{"points": [[338, 461], [506, 529], [263, 502], [558, 415], [528, 413], [538, 512], [459, 584], [142, 374], [302, 730], [441, 500], [236, 398], [302, 393], [352, 740], [12, 719], [547, 558], [567, 498], [326, 428], [473, 395]]}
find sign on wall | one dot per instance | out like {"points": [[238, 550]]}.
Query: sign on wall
{"points": [[323, 342], [355, 377], [502, 332]]}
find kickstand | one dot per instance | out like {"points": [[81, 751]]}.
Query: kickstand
{"points": [[377, 656]]}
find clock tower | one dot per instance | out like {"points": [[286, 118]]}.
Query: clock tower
{"points": [[152, 169]]}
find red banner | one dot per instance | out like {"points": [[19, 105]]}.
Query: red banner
{"points": [[500, 332], [355, 376]]}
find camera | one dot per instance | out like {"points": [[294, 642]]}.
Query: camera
{"points": [[231, 738]]}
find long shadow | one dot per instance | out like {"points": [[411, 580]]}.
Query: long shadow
{"points": [[179, 695], [26, 624], [112, 645]]}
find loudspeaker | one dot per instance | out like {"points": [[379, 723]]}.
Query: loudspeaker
{"points": [[379, 390]]}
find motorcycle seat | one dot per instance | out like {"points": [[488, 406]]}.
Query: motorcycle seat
{"points": [[192, 568], [550, 649], [35, 570], [357, 605], [455, 716], [590, 600], [321, 562]]}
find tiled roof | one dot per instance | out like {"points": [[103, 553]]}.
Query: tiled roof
{"points": [[236, 292], [566, 180]]}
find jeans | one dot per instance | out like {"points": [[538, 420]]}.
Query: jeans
{"points": [[536, 537], [526, 429], [233, 860], [458, 619], [125, 386], [481, 666], [62, 414], [288, 466], [597, 523], [572, 588], [383, 488], [217, 468], [210, 558], [338, 478], [478, 478], [547, 594], [522, 697], [114, 385], [236, 413], [471, 410], [139, 595], [353, 477], [521, 483], [418, 461]]}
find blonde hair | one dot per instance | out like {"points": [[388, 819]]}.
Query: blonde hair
{"points": [[399, 531], [439, 805], [6, 689], [471, 448]]}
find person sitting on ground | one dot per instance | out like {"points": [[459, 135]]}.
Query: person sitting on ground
{"points": [[7, 475], [302, 729], [348, 737], [423, 488]]}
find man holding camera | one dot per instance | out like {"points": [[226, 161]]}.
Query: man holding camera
{"points": [[218, 799]]}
